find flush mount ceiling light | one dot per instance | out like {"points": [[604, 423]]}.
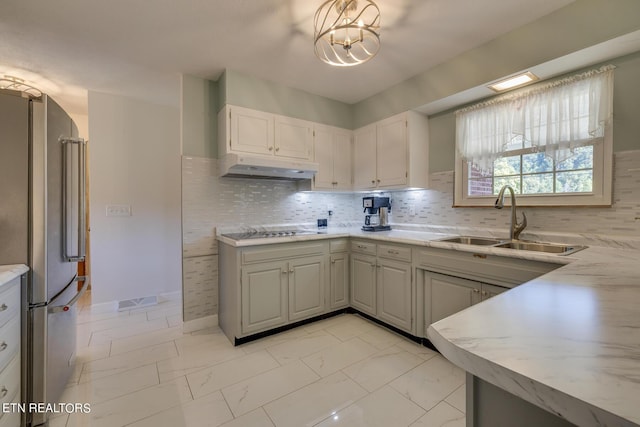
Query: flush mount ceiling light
{"points": [[347, 32], [515, 81]]}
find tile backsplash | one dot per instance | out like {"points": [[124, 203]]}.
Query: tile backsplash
{"points": [[209, 202]]}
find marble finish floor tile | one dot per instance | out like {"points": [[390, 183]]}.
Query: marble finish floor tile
{"points": [[250, 394], [382, 408], [315, 402], [136, 369], [382, 367], [334, 358], [442, 415], [430, 382]]}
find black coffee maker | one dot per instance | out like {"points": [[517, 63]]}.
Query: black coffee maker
{"points": [[376, 211]]}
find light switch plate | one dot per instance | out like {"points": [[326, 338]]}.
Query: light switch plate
{"points": [[118, 210]]}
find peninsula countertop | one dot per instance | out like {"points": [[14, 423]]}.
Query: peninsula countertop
{"points": [[568, 341], [10, 272]]}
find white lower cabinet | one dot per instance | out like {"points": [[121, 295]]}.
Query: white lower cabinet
{"points": [[306, 287], [339, 281], [395, 295], [446, 295], [363, 283], [264, 296]]}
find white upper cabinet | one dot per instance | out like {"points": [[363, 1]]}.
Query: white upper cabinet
{"points": [[332, 148], [293, 138], [392, 153], [243, 130], [364, 158]]}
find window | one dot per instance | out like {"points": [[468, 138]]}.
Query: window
{"points": [[552, 144]]}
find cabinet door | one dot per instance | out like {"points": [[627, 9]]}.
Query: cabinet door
{"points": [[251, 131], [342, 160], [395, 294], [293, 138], [489, 291], [306, 287], [446, 295], [363, 283], [339, 281], [264, 296], [323, 145], [364, 158], [391, 163]]}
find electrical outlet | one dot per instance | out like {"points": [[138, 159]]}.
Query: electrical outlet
{"points": [[118, 210]]}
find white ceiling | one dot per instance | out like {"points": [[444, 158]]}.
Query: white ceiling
{"points": [[139, 47]]}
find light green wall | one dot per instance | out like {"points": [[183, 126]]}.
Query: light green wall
{"points": [[198, 117], [577, 26], [247, 91]]}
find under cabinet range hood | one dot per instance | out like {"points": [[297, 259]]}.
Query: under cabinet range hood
{"points": [[254, 166]]}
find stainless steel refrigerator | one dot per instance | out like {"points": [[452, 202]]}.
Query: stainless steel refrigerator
{"points": [[42, 224]]}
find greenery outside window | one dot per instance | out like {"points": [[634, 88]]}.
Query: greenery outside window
{"points": [[548, 158]]}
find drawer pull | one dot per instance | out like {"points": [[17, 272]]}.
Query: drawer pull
{"points": [[3, 307], [476, 290], [3, 346], [393, 252], [333, 261], [3, 392], [482, 256]]}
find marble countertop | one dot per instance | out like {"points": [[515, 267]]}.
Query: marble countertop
{"points": [[568, 341], [10, 272]]}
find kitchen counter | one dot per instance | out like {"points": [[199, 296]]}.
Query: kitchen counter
{"points": [[10, 272], [568, 341]]}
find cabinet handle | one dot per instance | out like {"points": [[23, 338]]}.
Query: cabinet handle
{"points": [[481, 256], [378, 181], [277, 149], [373, 181], [3, 392], [270, 148], [476, 290], [361, 247], [333, 261], [393, 252], [484, 293], [3, 307], [291, 271], [3, 346], [285, 272]]}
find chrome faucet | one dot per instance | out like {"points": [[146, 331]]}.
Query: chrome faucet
{"points": [[515, 229]]}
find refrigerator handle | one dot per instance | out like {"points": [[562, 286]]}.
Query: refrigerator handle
{"points": [[73, 191], [67, 306]]}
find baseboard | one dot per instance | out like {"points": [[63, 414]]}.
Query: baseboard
{"points": [[201, 323]]}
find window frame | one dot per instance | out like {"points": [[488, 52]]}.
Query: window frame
{"points": [[601, 195]]}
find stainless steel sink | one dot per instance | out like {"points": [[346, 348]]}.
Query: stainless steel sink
{"points": [[470, 240], [550, 248]]}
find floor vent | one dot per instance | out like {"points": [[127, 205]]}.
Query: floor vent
{"points": [[130, 304]]}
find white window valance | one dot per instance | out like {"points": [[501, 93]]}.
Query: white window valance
{"points": [[555, 118]]}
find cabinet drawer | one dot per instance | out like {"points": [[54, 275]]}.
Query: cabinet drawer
{"points": [[363, 247], [10, 380], [280, 252], [394, 252], [340, 245], [9, 340], [9, 301]]}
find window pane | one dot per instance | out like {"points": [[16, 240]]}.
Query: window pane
{"points": [[480, 187], [582, 159], [513, 181], [536, 162], [507, 166], [574, 182], [537, 184]]}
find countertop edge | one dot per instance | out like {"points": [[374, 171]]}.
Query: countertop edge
{"points": [[10, 272]]}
